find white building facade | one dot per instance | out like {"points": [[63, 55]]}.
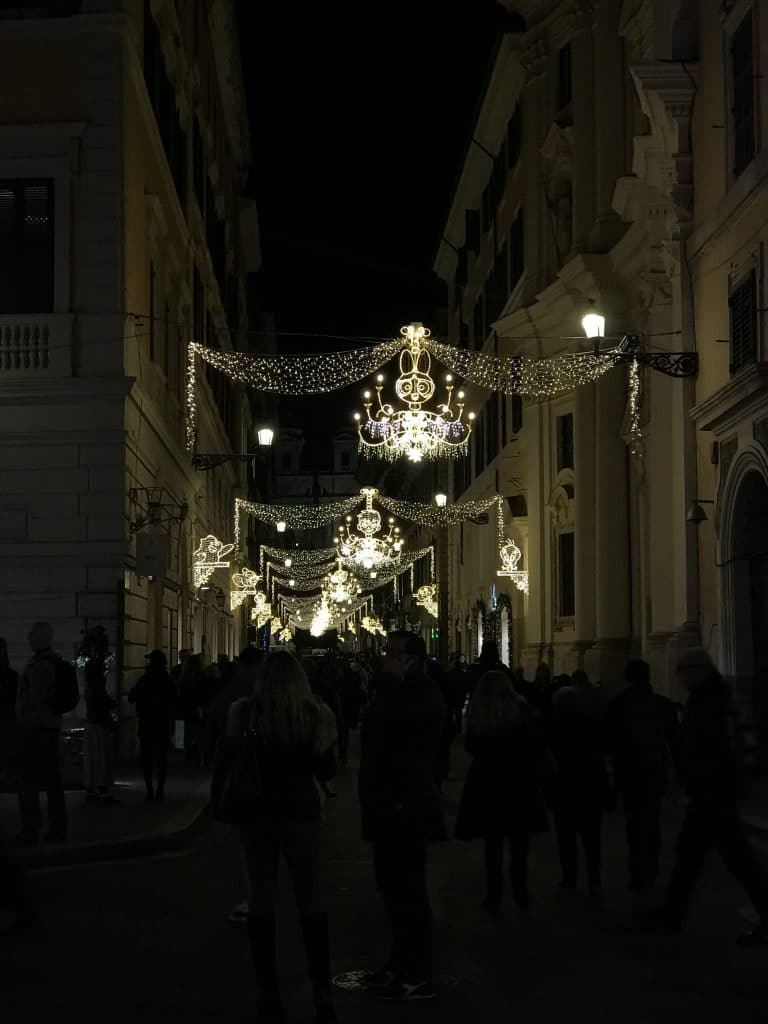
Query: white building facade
{"points": [[123, 157]]}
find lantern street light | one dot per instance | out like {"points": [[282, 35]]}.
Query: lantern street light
{"points": [[281, 526], [266, 436], [441, 500], [594, 325]]}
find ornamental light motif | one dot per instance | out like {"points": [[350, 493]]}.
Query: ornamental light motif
{"points": [[364, 550], [510, 555], [426, 598], [246, 583], [371, 624], [321, 620], [414, 432], [209, 556], [262, 611], [340, 586]]}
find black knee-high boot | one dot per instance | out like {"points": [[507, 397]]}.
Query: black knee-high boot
{"points": [[261, 933], [314, 929]]}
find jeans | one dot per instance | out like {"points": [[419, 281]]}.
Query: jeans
{"points": [[40, 768], [642, 815], [154, 758], [708, 825], [299, 843], [518, 867], [574, 820], [400, 864]]}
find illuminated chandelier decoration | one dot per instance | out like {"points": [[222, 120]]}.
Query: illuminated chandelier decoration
{"points": [[209, 556], [321, 620], [371, 624], [510, 555], [414, 432], [246, 583], [364, 550], [426, 598], [262, 611]]}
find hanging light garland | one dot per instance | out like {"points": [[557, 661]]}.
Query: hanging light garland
{"points": [[414, 432], [296, 517], [209, 556], [365, 550], [636, 444]]}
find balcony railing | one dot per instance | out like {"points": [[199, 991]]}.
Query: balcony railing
{"points": [[36, 345]]}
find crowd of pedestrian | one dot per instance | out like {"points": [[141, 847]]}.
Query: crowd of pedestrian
{"points": [[550, 755]]}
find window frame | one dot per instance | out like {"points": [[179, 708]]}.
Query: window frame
{"points": [[20, 290], [733, 21], [749, 273]]}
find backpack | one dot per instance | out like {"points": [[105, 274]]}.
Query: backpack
{"points": [[66, 693]]}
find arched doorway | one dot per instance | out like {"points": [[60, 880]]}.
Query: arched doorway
{"points": [[747, 566]]}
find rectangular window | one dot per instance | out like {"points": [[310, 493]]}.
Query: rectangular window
{"points": [[564, 77], [743, 85], [501, 277], [516, 251], [478, 327], [487, 207], [167, 343], [152, 334], [26, 246], [517, 414], [514, 137], [743, 313], [564, 440], [462, 265], [472, 230], [566, 572]]}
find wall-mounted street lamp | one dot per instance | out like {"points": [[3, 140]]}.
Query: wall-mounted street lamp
{"points": [[696, 513], [281, 526], [594, 325], [266, 436], [221, 600], [441, 500]]}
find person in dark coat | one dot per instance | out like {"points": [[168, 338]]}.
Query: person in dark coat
{"points": [[9, 687], [155, 698], [190, 693], [296, 736], [489, 661], [579, 788], [97, 745], [443, 762], [710, 768], [501, 798], [642, 732], [458, 685], [402, 810]]}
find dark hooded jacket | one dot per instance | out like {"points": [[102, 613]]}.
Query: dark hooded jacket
{"points": [[399, 745], [710, 762]]}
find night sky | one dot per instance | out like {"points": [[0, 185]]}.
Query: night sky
{"points": [[360, 118]]}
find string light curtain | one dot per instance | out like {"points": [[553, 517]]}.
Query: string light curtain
{"points": [[296, 517]]}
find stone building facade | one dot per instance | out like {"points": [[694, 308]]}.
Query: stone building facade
{"points": [[124, 150], [578, 192]]}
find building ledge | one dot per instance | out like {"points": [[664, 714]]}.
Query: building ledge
{"points": [[742, 396]]}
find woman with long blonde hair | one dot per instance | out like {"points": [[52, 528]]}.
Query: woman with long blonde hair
{"points": [[501, 798], [294, 736]]}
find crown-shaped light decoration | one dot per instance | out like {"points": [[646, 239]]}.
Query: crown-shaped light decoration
{"points": [[262, 611], [371, 624], [510, 555], [246, 583], [208, 557], [426, 597], [364, 550], [414, 432]]}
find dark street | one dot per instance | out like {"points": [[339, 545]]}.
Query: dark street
{"points": [[148, 940]]}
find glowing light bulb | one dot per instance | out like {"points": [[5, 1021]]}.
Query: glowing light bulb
{"points": [[281, 526]]}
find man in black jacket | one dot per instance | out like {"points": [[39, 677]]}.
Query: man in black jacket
{"points": [[710, 768], [643, 732], [402, 810]]}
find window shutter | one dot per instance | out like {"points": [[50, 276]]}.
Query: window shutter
{"points": [[743, 308], [472, 230]]}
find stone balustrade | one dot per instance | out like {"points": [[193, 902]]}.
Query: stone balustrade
{"points": [[36, 345]]}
